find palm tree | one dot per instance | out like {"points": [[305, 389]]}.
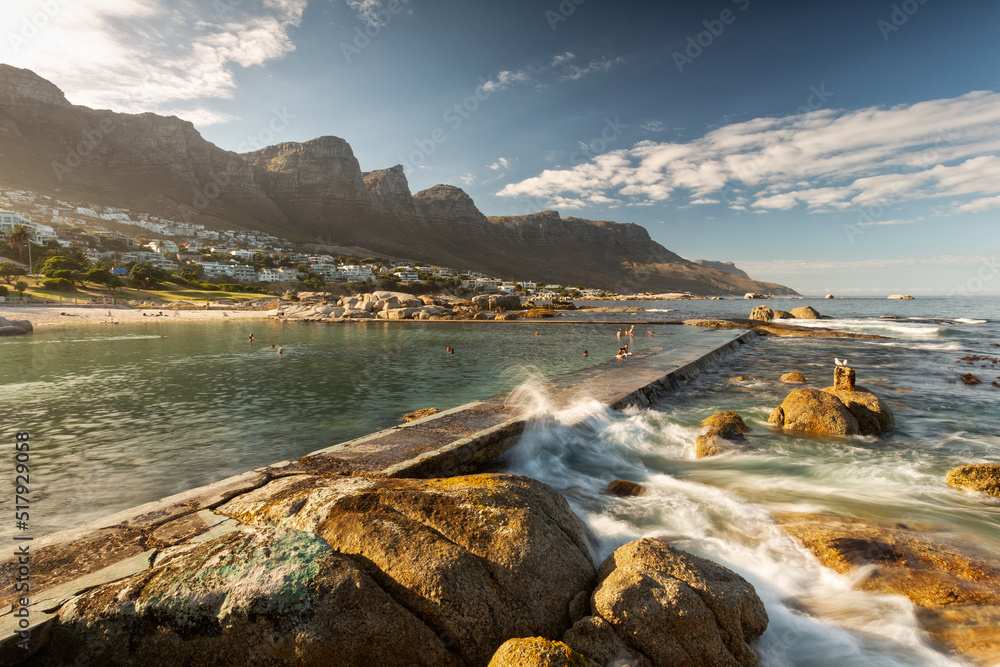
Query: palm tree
{"points": [[20, 237]]}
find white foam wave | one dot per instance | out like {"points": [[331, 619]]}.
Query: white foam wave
{"points": [[817, 616]]}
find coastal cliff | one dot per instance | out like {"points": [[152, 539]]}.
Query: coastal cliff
{"points": [[316, 191]]}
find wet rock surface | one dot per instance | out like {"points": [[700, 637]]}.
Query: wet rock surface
{"points": [[984, 477], [956, 588], [673, 608]]}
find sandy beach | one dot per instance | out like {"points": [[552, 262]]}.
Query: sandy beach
{"points": [[44, 316]]}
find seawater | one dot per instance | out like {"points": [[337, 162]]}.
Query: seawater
{"points": [[720, 507], [122, 415]]}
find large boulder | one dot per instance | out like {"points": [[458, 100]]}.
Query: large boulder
{"points": [[259, 596], [984, 477], [805, 313], [539, 651], [955, 588], [504, 302], [672, 607], [726, 421], [782, 314], [482, 302], [873, 415], [14, 327], [725, 433], [793, 377], [814, 411], [762, 313], [481, 559]]}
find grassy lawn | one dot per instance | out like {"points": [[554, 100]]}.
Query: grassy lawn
{"points": [[169, 293]]}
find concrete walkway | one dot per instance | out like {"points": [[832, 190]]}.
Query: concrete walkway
{"points": [[453, 442]]}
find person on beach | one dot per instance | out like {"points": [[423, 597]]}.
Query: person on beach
{"points": [[621, 353], [619, 334], [449, 350], [585, 353], [251, 339]]}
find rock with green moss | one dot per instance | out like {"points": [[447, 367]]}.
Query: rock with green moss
{"points": [[256, 596], [482, 558]]}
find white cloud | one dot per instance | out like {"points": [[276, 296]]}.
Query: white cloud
{"points": [[501, 163], [981, 204], [652, 126], [824, 161], [563, 58], [149, 55], [575, 72], [504, 80], [560, 68], [373, 13], [467, 179]]}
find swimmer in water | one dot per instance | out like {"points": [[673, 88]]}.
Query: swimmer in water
{"points": [[585, 353]]}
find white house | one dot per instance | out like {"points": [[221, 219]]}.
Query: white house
{"points": [[356, 274], [9, 220]]}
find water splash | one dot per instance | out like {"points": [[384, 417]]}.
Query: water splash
{"points": [[817, 617]]}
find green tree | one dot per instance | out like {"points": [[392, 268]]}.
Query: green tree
{"points": [[101, 276], [19, 237], [61, 266], [20, 286], [147, 276], [9, 269]]}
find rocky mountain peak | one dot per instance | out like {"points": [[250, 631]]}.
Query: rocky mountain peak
{"points": [[20, 85], [388, 183]]}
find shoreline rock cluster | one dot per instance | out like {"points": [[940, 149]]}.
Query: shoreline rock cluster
{"points": [[14, 327], [384, 305], [319, 570]]}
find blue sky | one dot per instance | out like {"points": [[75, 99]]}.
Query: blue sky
{"points": [[849, 147]]}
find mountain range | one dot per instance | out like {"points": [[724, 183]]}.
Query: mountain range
{"points": [[315, 192]]}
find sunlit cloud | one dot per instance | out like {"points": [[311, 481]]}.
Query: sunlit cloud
{"points": [[820, 161], [153, 55]]}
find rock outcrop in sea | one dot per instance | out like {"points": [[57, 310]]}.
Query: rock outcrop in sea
{"points": [[955, 588], [842, 409]]}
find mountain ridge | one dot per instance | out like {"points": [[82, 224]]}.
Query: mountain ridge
{"points": [[316, 191]]}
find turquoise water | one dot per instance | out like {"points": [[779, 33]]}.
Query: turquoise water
{"points": [[126, 414]]}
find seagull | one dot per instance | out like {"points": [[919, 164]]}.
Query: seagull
{"points": [[840, 362]]}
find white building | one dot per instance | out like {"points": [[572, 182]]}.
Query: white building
{"points": [[407, 276], [267, 275], [39, 233], [243, 273], [357, 274], [242, 254], [163, 247]]}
